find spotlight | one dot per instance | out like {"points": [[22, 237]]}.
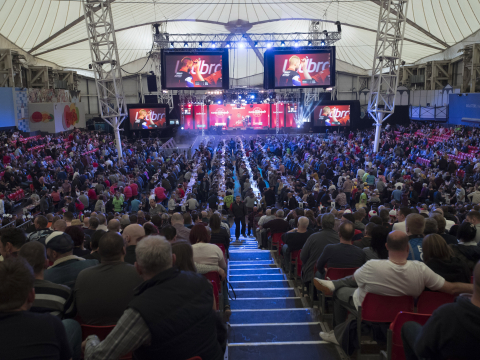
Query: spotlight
{"points": [[295, 43], [214, 45], [255, 44], [309, 43], [269, 45], [219, 102], [181, 128], [298, 126], [185, 45], [283, 43], [200, 44], [171, 45], [241, 44], [227, 44], [323, 42], [252, 96], [339, 26], [239, 96]]}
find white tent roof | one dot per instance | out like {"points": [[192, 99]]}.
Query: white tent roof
{"points": [[55, 30]]}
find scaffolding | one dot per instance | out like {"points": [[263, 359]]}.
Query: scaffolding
{"points": [[106, 65], [386, 61]]}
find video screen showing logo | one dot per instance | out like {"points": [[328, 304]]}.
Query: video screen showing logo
{"points": [[293, 70], [332, 115], [193, 71], [147, 118]]}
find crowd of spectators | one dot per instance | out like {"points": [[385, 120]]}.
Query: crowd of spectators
{"points": [[124, 241]]}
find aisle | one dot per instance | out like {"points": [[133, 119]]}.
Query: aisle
{"points": [[269, 320]]}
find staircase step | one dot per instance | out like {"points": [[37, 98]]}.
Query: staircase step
{"points": [[272, 316], [253, 293], [249, 255], [260, 284], [249, 267], [282, 351], [256, 277], [273, 271], [274, 333], [268, 303]]}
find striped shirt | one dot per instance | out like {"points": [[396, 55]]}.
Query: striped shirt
{"points": [[52, 298]]}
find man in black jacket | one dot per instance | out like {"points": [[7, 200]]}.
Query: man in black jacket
{"points": [[292, 203], [171, 315], [295, 239], [451, 332], [239, 211]]}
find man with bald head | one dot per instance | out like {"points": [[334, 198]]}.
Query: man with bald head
{"points": [[103, 292], [393, 277], [451, 331], [60, 225], [114, 226], [295, 239], [183, 233], [131, 234]]}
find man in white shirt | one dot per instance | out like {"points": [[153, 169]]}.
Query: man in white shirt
{"points": [[393, 277]]}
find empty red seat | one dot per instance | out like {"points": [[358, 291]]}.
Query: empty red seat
{"points": [[381, 309], [394, 336]]}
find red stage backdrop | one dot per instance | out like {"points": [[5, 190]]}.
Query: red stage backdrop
{"points": [[187, 117], [281, 116], [302, 70], [147, 118], [332, 115], [292, 110], [200, 121], [256, 116], [200, 71]]}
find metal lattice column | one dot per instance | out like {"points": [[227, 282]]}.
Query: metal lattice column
{"points": [[106, 65], [386, 61]]}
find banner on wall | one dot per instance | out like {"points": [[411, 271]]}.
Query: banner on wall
{"points": [[56, 117]]}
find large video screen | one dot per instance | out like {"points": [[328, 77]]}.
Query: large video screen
{"points": [[331, 115], [290, 68], [145, 117], [201, 70], [254, 116]]}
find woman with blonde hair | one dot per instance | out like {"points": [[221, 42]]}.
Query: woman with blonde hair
{"points": [[441, 259]]}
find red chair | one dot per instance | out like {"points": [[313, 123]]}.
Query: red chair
{"points": [[195, 358], [276, 240], [102, 332], [381, 309], [394, 335], [221, 246], [213, 276], [215, 294], [335, 274], [429, 301], [297, 264]]}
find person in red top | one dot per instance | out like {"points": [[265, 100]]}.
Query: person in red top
{"points": [[134, 188], [127, 191], [92, 195], [160, 193], [6, 159], [181, 192], [55, 197]]}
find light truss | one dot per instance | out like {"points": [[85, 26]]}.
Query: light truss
{"points": [[160, 32], [247, 40], [106, 65], [386, 61]]}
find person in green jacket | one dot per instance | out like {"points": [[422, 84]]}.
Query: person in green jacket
{"points": [[228, 200], [118, 202]]}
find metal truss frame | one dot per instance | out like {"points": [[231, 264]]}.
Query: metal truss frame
{"points": [[106, 65], [386, 62], [266, 40], [160, 40]]}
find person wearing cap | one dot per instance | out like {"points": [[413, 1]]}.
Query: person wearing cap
{"points": [[66, 266]]}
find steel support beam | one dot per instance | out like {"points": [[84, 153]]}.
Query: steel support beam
{"points": [[386, 62], [106, 65]]}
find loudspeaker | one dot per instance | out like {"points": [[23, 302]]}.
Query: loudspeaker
{"points": [[152, 83], [151, 99]]}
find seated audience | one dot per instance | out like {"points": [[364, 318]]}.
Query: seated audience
{"points": [[295, 240]]}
